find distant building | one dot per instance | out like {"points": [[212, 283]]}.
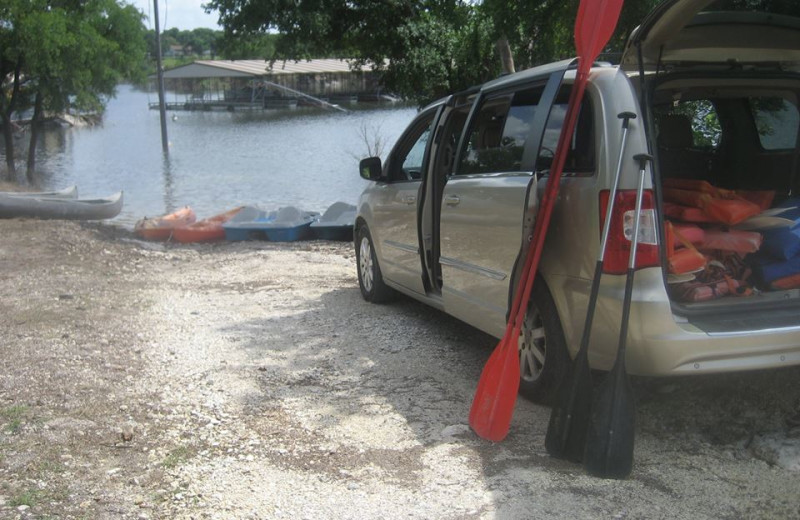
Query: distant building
{"points": [[175, 51], [258, 83]]}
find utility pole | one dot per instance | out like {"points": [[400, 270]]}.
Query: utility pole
{"points": [[162, 107]]}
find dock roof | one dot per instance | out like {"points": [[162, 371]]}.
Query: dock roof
{"points": [[257, 68]]}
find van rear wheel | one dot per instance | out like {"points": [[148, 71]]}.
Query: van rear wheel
{"points": [[543, 356]]}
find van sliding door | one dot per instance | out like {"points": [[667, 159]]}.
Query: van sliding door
{"points": [[489, 202]]}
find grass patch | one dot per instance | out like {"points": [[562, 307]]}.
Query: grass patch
{"points": [[51, 466], [27, 498], [176, 457], [33, 497], [14, 416]]}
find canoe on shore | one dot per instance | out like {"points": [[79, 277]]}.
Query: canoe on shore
{"points": [[67, 193], [12, 206], [206, 230], [336, 223], [163, 227]]}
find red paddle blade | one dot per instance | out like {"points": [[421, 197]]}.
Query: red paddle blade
{"points": [[493, 404], [594, 26]]}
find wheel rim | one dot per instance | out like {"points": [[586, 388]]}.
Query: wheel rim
{"points": [[532, 347], [365, 264]]}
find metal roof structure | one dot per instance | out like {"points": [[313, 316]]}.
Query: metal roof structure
{"points": [[257, 68]]}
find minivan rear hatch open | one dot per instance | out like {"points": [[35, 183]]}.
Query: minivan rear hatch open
{"points": [[723, 91], [682, 34]]}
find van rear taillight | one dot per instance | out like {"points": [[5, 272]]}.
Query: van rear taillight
{"points": [[618, 247]]}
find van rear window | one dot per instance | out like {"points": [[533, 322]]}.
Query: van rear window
{"points": [[777, 121], [688, 124], [782, 7]]}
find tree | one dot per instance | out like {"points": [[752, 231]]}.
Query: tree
{"points": [[431, 46], [60, 55], [251, 46], [420, 40]]}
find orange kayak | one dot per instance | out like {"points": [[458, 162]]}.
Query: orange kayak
{"points": [[206, 230], [163, 227]]}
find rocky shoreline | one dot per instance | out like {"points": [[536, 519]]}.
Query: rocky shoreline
{"points": [[250, 380]]}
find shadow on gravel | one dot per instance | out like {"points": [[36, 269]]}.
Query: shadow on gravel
{"points": [[389, 382]]}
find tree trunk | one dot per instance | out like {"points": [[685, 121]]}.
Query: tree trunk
{"points": [[506, 57], [7, 105], [8, 140], [36, 123]]}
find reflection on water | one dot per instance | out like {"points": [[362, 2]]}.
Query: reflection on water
{"points": [[217, 160], [169, 195]]}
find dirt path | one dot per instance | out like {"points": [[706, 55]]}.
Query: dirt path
{"points": [[252, 381]]}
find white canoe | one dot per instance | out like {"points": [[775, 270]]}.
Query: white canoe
{"points": [[67, 193], [12, 206]]}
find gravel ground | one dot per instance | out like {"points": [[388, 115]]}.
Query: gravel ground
{"points": [[250, 380]]}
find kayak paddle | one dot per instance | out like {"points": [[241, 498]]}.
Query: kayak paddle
{"points": [[569, 418], [493, 404], [609, 440]]}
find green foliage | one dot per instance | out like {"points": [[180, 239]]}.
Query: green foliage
{"points": [[70, 54], [28, 498], [14, 415], [250, 46], [76, 54], [177, 457], [197, 42], [426, 47], [442, 56]]}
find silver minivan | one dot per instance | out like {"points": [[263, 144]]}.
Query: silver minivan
{"points": [[714, 94]]}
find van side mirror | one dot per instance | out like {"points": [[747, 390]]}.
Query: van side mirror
{"points": [[371, 168]]}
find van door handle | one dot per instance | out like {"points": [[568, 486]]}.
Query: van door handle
{"points": [[452, 200], [409, 199]]}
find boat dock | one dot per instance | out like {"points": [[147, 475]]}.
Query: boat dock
{"points": [[256, 85]]}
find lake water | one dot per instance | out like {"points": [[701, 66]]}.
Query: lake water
{"points": [[217, 160]]}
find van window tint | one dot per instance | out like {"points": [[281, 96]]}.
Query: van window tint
{"points": [[498, 133], [776, 121], [580, 157]]}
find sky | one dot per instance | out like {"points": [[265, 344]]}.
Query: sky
{"points": [[183, 14]]}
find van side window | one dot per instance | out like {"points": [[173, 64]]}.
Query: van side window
{"points": [[776, 121], [497, 136], [580, 157], [407, 159]]}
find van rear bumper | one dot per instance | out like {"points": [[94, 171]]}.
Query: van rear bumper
{"points": [[689, 352], [662, 343]]}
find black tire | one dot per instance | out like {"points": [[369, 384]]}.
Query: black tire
{"points": [[543, 352], [370, 279]]}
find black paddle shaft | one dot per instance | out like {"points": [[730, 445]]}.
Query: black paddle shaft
{"points": [[642, 159], [569, 418], [610, 438]]}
